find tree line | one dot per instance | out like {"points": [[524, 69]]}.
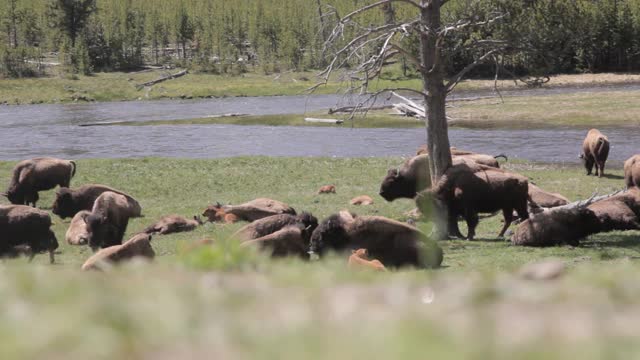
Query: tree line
{"points": [[537, 37]]}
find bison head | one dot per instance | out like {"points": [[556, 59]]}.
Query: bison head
{"points": [[99, 231], [396, 185], [15, 196], [214, 213], [63, 204], [329, 235]]}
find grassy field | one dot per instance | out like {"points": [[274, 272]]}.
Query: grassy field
{"points": [[223, 303]]}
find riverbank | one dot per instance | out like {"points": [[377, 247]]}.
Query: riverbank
{"points": [[119, 86], [193, 305]]}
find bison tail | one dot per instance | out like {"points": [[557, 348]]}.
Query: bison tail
{"points": [[73, 168], [501, 156]]}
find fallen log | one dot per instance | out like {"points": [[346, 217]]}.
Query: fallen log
{"points": [[350, 109], [225, 115], [168, 77], [326, 121]]}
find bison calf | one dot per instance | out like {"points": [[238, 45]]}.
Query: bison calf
{"points": [[24, 225], [77, 233], [38, 174], [358, 260], [172, 224], [137, 246], [595, 150], [327, 189], [249, 211]]}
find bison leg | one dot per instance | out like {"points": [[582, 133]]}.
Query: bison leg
{"points": [[454, 230], [472, 221], [508, 218], [51, 257], [601, 168], [588, 164]]}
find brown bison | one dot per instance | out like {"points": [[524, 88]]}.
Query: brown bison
{"points": [[173, 224], [414, 176], [137, 246], [77, 233], [327, 189], [570, 223], [283, 234], [361, 200], [595, 150], [38, 174], [465, 191], [358, 260], [108, 220], [69, 202], [394, 243], [632, 171], [24, 225], [544, 198], [249, 211]]}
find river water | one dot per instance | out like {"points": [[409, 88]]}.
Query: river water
{"points": [[53, 130]]}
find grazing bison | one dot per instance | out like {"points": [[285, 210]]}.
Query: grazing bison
{"points": [[24, 225], [632, 171], [249, 211], [546, 199], [69, 202], [465, 191], [358, 260], [33, 175], [77, 233], [393, 243], [361, 200], [569, 223], [271, 224], [108, 220], [173, 224], [414, 176], [327, 189], [595, 150], [137, 246]]}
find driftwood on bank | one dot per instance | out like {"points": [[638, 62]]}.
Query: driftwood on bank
{"points": [[327, 121], [165, 78], [350, 109], [225, 115]]}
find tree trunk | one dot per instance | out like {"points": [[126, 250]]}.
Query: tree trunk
{"points": [[436, 94]]}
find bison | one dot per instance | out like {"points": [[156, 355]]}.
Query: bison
{"points": [[24, 225], [570, 223], [173, 224], [544, 198], [108, 220], [393, 243], [137, 246], [595, 150], [38, 174], [465, 191], [77, 233], [327, 189], [632, 171], [290, 240], [249, 211], [361, 200], [69, 202], [414, 176], [358, 260]]}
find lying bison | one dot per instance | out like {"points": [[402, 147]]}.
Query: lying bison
{"points": [[632, 171], [465, 191], [359, 260], [393, 243], [173, 224], [570, 223], [414, 176], [69, 202], [108, 220], [38, 174], [24, 225], [249, 211], [595, 150], [77, 233], [137, 246], [544, 198]]}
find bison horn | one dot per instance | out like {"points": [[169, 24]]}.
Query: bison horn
{"points": [[218, 204]]}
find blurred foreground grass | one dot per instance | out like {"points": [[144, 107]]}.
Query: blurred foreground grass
{"points": [[227, 304]]}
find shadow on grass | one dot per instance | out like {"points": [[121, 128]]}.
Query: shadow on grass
{"points": [[627, 241], [611, 176]]}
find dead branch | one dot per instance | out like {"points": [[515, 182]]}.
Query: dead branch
{"points": [[456, 79], [165, 78]]}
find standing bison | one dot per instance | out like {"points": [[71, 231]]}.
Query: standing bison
{"points": [[24, 225], [632, 171], [595, 150], [69, 202], [464, 190], [38, 174], [108, 220]]}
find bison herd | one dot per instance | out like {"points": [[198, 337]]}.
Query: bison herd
{"points": [[474, 184]]}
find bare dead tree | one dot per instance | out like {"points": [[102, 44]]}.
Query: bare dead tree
{"points": [[372, 46]]}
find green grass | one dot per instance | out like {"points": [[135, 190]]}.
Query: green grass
{"points": [[197, 305]]}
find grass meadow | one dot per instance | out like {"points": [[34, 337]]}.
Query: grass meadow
{"points": [[229, 303]]}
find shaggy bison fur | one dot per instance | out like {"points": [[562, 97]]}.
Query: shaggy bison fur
{"points": [[595, 150], [24, 225], [69, 202], [249, 211], [137, 246], [358, 260], [108, 220], [38, 174], [77, 233], [173, 224], [632, 171]]}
